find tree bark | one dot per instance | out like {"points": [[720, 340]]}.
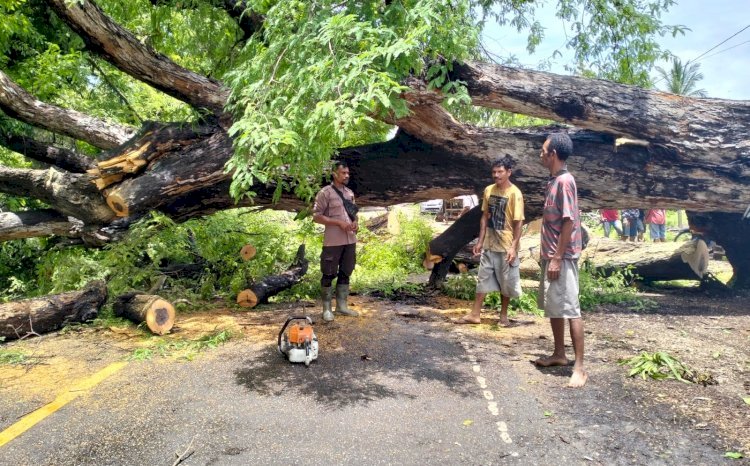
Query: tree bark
{"points": [[446, 245], [650, 261], [19, 104], [32, 224], [155, 311], [121, 48], [49, 313], [260, 291], [48, 154], [731, 232]]}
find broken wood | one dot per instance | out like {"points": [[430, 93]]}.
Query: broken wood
{"points": [[269, 286], [157, 312], [52, 312]]}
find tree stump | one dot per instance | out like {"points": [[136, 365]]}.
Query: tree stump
{"points": [[259, 292], [51, 312], [157, 312]]}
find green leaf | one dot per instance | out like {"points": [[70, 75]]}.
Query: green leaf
{"points": [[733, 455]]}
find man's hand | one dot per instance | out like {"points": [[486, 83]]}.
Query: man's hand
{"points": [[355, 226], [553, 269], [477, 249], [510, 256]]}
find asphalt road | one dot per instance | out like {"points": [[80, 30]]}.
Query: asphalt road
{"points": [[426, 392]]}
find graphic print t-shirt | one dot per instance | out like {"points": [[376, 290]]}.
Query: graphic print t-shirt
{"points": [[504, 206]]}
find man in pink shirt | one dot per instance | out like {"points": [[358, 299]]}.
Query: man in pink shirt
{"points": [[657, 221], [339, 254], [560, 249]]}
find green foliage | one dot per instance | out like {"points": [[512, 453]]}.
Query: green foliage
{"points": [[463, 286], [595, 287], [323, 69], [12, 357], [657, 366], [384, 265], [182, 349], [682, 79]]}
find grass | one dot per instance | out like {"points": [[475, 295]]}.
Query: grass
{"points": [[12, 358]]}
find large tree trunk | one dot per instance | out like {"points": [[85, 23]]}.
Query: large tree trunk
{"points": [[650, 261], [49, 313]]}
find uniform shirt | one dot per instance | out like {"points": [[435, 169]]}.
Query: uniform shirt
{"points": [[561, 202], [505, 206], [328, 203]]}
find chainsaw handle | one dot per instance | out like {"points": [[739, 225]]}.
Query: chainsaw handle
{"points": [[286, 324]]}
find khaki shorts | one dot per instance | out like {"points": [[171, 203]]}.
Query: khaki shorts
{"points": [[559, 298], [496, 275]]}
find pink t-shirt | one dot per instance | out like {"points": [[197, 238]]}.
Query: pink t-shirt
{"points": [[328, 203], [561, 202], [656, 216]]}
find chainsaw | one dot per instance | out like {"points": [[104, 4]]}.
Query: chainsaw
{"points": [[297, 342]]}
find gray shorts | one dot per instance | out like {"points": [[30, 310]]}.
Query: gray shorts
{"points": [[496, 275], [559, 298]]}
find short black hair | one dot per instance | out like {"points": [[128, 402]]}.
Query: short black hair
{"points": [[337, 164], [506, 162], [560, 143]]}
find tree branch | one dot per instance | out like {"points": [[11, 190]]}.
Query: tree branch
{"points": [[33, 224], [47, 154], [71, 194], [121, 48], [18, 103]]}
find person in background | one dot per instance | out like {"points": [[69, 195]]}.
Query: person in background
{"points": [[629, 224], [610, 219], [657, 225]]}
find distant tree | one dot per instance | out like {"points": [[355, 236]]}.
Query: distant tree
{"points": [[682, 79]]}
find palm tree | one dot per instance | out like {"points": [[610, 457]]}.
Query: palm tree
{"points": [[683, 79]]}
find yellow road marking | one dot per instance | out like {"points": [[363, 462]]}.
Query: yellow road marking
{"points": [[83, 386]]}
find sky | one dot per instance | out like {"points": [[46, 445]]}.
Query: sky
{"points": [[725, 69]]}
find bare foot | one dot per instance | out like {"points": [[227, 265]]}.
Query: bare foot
{"points": [[467, 319], [552, 361], [505, 322], [579, 378]]}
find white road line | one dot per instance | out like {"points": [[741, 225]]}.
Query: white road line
{"points": [[482, 382], [503, 428], [476, 368], [488, 395], [492, 406]]}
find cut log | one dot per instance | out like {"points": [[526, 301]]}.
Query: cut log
{"points": [[247, 252], [157, 312], [52, 312], [259, 292]]}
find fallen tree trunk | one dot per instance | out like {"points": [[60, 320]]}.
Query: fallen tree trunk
{"points": [[650, 261], [35, 316], [259, 292], [155, 311]]}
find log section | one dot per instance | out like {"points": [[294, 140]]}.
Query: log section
{"points": [[269, 286], [157, 312], [51, 312]]}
